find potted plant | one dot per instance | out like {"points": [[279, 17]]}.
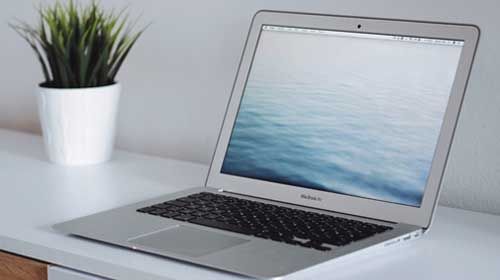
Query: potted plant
{"points": [[81, 50]]}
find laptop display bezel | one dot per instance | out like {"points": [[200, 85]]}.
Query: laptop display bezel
{"points": [[420, 216]]}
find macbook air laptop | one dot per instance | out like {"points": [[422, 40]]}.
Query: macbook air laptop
{"points": [[334, 141]]}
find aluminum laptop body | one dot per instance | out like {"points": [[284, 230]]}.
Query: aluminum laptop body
{"points": [[345, 116]]}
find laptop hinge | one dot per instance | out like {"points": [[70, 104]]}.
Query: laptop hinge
{"points": [[284, 202]]}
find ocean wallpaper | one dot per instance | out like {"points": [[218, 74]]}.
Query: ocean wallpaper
{"points": [[355, 116]]}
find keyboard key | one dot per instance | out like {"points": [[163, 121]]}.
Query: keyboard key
{"points": [[322, 248], [146, 209], [162, 206], [219, 225], [187, 211], [210, 216], [263, 235], [186, 199], [169, 214], [157, 211], [177, 203], [291, 241], [184, 217]]}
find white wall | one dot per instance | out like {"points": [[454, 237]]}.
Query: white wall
{"points": [[178, 79]]}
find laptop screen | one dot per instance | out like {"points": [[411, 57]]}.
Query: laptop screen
{"points": [[351, 113]]}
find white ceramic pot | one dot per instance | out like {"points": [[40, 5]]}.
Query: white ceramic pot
{"points": [[78, 124]]}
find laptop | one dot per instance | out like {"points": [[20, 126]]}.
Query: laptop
{"points": [[334, 142]]}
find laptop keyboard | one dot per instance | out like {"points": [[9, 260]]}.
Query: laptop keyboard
{"points": [[278, 223]]}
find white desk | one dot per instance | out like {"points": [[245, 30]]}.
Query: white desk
{"points": [[35, 194]]}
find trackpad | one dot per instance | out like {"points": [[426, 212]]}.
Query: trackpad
{"points": [[187, 240]]}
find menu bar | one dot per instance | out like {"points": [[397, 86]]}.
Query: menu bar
{"points": [[362, 35]]}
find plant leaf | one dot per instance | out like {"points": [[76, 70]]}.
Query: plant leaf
{"points": [[79, 46]]}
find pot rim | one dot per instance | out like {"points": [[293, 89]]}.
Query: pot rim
{"points": [[40, 86]]}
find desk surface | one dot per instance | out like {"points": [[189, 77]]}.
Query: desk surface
{"points": [[35, 194]]}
